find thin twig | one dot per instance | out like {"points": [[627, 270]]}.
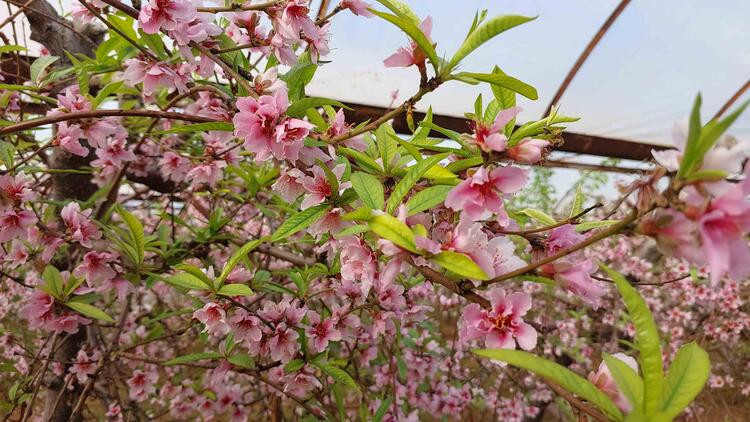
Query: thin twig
{"points": [[28, 124], [567, 251], [572, 219]]}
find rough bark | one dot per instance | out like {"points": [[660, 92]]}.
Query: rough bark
{"points": [[47, 28]]}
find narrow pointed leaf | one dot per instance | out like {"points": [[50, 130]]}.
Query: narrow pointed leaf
{"points": [[685, 378], [299, 221], [558, 374], [412, 176], [484, 33], [647, 342], [369, 189], [393, 229]]}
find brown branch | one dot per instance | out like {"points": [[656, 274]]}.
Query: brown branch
{"points": [[572, 219], [236, 6], [615, 228], [28, 124], [578, 404], [732, 100], [430, 86], [449, 284], [641, 283]]}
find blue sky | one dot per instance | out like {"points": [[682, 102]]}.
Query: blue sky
{"points": [[641, 78]]}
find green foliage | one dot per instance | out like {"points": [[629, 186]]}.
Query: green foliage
{"points": [[369, 189], [701, 139], [411, 29], [299, 107], [652, 396], [647, 342], [413, 175], [193, 357], [88, 310], [197, 127], [299, 221], [502, 81], [460, 264], [685, 379], [235, 259], [393, 229], [484, 33], [235, 289], [558, 374], [427, 198]]}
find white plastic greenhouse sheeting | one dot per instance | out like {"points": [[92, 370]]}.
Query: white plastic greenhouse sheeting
{"points": [[639, 80]]}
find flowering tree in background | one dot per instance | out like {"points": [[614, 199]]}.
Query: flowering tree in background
{"points": [[186, 234]]}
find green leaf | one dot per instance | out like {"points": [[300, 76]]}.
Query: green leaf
{"points": [[538, 215], [706, 176], [460, 264], [299, 221], [451, 134], [193, 357], [363, 213], [369, 189], [338, 374], [298, 77], [484, 33], [577, 206], [195, 272], [363, 160], [401, 10], [711, 133], [412, 176], [11, 48], [464, 164], [685, 379], [647, 342], [558, 374], [235, 289], [89, 310], [185, 281], [53, 280], [506, 99], [236, 257], [393, 229], [294, 365], [41, 63], [135, 232], [105, 92], [198, 127], [242, 360], [588, 225], [690, 156], [386, 146], [427, 198], [412, 30], [299, 107], [627, 380], [382, 409], [504, 81]]}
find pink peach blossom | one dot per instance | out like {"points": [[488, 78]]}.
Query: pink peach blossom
{"points": [[411, 54], [528, 151], [502, 326], [165, 14], [319, 332], [604, 381], [358, 7], [480, 196]]}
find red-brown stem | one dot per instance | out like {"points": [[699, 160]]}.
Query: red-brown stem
{"points": [[567, 251], [28, 124]]}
